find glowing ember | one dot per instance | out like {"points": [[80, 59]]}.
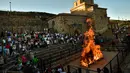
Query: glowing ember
{"points": [[91, 52]]}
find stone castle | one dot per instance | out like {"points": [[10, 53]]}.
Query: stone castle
{"points": [[75, 22], [70, 23]]}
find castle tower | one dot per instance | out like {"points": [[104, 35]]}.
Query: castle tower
{"points": [[87, 1], [82, 7], [89, 9]]}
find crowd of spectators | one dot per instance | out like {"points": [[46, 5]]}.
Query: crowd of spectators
{"points": [[21, 45]]}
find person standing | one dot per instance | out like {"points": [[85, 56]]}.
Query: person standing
{"points": [[1, 60], [7, 48]]}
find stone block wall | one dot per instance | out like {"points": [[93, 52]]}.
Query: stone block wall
{"points": [[67, 23], [23, 21]]}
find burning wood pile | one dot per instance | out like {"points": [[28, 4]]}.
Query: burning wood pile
{"points": [[91, 52]]}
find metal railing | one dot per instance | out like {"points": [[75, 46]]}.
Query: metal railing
{"points": [[113, 65]]}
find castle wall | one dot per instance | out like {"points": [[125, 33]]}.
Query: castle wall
{"points": [[22, 21], [69, 23], [101, 20]]}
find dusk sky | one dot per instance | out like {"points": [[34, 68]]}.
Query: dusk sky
{"points": [[116, 8]]}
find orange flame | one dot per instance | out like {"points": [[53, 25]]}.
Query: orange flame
{"points": [[91, 52]]}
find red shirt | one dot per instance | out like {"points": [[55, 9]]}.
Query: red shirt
{"points": [[7, 46], [24, 59]]}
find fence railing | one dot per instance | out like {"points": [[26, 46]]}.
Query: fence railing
{"points": [[113, 65]]}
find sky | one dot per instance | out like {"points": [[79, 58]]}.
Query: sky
{"points": [[116, 9]]}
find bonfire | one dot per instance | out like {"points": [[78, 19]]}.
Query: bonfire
{"points": [[91, 52]]}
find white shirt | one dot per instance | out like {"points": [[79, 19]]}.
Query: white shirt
{"points": [[4, 41], [14, 47], [60, 70], [36, 43], [48, 42], [20, 46], [9, 39]]}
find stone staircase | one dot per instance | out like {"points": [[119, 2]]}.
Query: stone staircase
{"points": [[61, 54]]}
